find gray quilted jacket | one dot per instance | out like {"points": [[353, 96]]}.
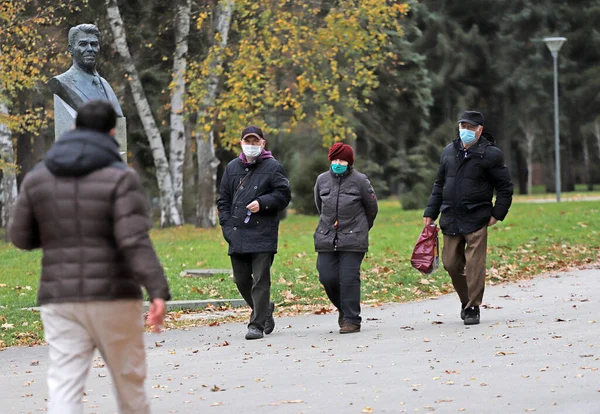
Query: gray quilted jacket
{"points": [[347, 206]]}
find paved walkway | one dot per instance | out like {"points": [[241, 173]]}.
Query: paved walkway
{"points": [[537, 350]]}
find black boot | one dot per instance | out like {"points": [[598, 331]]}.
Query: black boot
{"points": [[462, 311], [270, 322], [472, 315], [254, 333]]}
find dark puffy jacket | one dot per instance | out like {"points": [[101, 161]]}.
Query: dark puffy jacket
{"points": [[266, 182], [86, 209], [465, 184], [349, 200]]}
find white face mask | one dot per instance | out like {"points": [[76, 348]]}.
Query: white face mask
{"points": [[252, 151]]}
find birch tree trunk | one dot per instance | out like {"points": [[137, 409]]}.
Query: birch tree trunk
{"points": [[178, 137], [169, 215], [8, 183], [206, 211]]}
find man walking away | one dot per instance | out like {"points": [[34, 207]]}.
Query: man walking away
{"points": [[470, 169], [254, 189], [87, 211]]}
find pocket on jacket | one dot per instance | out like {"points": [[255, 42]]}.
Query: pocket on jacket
{"points": [[226, 233], [353, 239], [323, 239]]}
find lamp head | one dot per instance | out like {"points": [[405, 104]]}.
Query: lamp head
{"points": [[554, 44]]}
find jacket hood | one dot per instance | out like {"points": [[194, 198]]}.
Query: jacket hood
{"points": [[489, 137], [80, 152]]}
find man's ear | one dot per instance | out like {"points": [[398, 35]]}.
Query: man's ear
{"points": [[112, 132], [70, 49]]}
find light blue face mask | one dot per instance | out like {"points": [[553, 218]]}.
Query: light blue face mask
{"points": [[467, 136], [339, 168]]}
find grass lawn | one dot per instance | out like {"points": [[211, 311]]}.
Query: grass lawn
{"points": [[534, 238]]}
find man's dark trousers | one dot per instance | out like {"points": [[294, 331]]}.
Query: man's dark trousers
{"points": [[339, 273], [252, 275]]}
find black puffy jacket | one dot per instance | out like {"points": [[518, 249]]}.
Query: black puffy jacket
{"points": [[267, 183], [464, 187], [349, 200]]}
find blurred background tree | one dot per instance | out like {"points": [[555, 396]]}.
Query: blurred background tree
{"points": [[389, 78]]}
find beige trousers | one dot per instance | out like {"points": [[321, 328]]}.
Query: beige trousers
{"points": [[74, 330], [464, 258]]}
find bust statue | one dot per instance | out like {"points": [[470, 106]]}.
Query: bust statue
{"points": [[81, 83]]}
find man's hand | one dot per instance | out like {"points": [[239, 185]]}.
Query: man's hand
{"points": [[156, 314], [253, 206], [427, 221], [493, 220]]}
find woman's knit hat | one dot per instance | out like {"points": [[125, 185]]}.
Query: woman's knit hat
{"points": [[340, 151]]}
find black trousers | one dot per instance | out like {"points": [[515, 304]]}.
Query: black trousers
{"points": [[339, 273], [252, 275]]}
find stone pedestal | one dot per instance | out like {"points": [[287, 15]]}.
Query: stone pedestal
{"points": [[64, 120]]}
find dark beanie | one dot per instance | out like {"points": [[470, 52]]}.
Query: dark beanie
{"points": [[340, 151]]}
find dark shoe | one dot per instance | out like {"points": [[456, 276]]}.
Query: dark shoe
{"points": [[462, 311], [472, 315], [254, 333], [270, 322], [341, 320], [349, 328]]}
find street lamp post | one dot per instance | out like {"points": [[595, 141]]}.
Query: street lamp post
{"points": [[554, 44]]}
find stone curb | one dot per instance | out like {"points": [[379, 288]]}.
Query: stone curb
{"points": [[188, 304]]}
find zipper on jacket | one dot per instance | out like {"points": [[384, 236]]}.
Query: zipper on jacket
{"points": [[79, 239], [337, 219]]}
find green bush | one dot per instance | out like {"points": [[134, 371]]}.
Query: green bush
{"points": [[416, 198], [304, 172]]}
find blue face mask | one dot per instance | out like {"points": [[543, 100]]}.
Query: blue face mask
{"points": [[339, 168], [467, 136]]}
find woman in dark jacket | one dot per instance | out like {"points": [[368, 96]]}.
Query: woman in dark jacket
{"points": [[347, 206]]}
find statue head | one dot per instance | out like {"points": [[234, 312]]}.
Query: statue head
{"points": [[84, 46]]}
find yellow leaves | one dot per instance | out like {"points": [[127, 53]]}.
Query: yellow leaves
{"points": [[201, 19], [295, 65], [401, 8]]}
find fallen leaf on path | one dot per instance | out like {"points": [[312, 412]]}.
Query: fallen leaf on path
{"points": [[215, 388], [215, 404], [367, 410], [322, 311], [34, 363], [437, 322], [292, 402]]}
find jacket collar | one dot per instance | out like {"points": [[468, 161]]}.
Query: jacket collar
{"points": [[345, 174], [478, 148]]}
